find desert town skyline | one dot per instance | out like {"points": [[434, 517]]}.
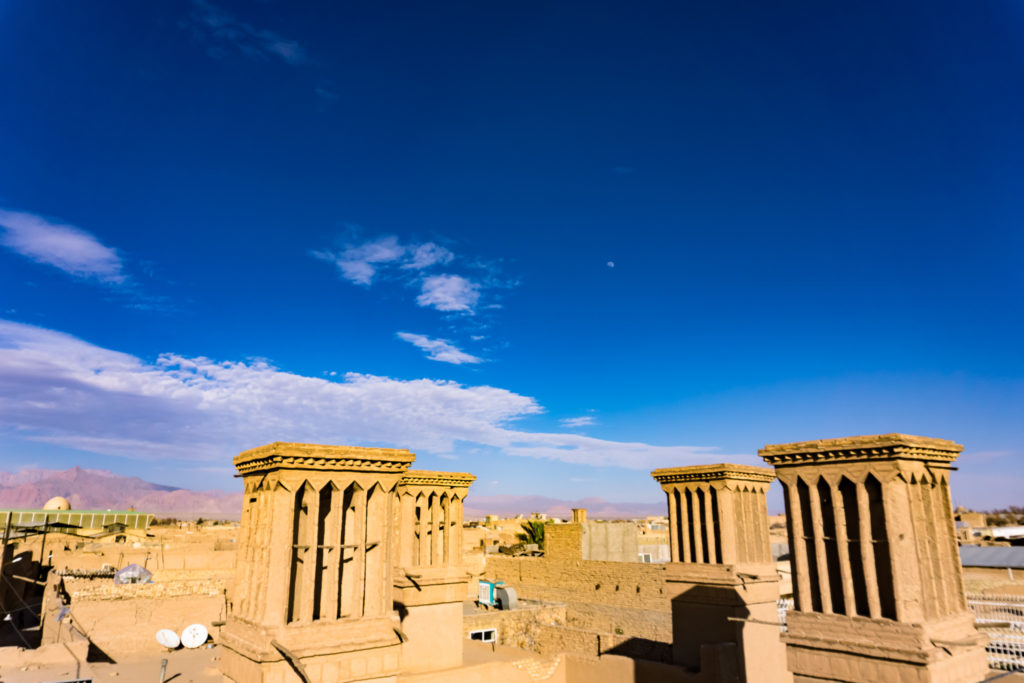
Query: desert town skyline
{"points": [[349, 565]]}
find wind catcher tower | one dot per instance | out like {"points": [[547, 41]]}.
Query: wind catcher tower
{"points": [[314, 576], [876, 571]]}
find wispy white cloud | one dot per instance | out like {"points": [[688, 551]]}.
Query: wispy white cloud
{"points": [[362, 263], [222, 31], [449, 293], [71, 249], [439, 349], [359, 263], [59, 389], [583, 421], [425, 255]]}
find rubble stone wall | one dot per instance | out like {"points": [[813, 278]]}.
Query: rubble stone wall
{"points": [[518, 628]]}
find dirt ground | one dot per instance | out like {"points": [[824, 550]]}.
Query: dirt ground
{"points": [[183, 666]]}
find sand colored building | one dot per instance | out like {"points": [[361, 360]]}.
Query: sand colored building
{"points": [[702, 620], [724, 585], [350, 569], [430, 576], [597, 541], [314, 574], [878, 583]]}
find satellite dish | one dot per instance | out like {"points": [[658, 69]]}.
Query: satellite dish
{"points": [[168, 638], [194, 636]]}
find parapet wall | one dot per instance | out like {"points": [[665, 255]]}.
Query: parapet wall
{"points": [[517, 628], [610, 541], [564, 542], [597, 541], [123, 620], [614, 598]]}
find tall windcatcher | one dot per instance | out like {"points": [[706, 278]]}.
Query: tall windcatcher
{"points": [[430, 575], [312, 588], [724, 585], [876, 571]]}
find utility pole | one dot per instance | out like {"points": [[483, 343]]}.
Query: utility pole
{"points": [[3, 552]]}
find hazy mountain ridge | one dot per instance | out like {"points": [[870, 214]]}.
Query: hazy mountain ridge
{"points": [[597, 508], [88, 489]]}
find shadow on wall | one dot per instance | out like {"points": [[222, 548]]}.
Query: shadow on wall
{"points": [[96, 654], [642, 649], [403, 613], [21, 594], [707, 619], [709, 623]]}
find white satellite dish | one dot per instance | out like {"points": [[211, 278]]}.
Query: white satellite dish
{"points": [[168, 638], [194, 636]]}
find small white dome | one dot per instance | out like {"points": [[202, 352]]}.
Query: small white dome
{"points": [[57, 503]]}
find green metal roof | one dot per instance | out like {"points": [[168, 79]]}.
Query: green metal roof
{"points": [[86, 519], [89, 512]]}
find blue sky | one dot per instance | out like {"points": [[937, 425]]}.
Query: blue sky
{"points": [[552, 244]]}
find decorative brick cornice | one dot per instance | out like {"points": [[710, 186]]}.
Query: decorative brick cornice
{"points": [[310, 456], [862, 448], [446, 479], [699, 473]]}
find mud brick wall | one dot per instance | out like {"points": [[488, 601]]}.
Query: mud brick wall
{"points": [[555, 639], [564, 543], [518, 628], [123, 620], [618, 598]]}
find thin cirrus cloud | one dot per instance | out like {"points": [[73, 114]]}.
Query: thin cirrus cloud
{"points": [[571, 422], [62, 246], [439, 349], [360, 263], [387, 257], [222, 32], [449, 293], [59, 389]]}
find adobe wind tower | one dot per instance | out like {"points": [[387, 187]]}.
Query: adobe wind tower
{"points": [[876, 571], [430, 575], [725, 584], [313, 580]]}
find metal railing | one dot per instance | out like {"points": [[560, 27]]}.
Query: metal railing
{"points": [[785, 604], [999, 617], [1005, 651], [1005, 611]]}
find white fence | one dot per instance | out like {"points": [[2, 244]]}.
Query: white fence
{"points": [[999, 611], [785, 604], [1005, 651], [1000, 617]]}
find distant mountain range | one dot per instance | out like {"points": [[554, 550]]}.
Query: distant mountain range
{"points": [[88, 489], [102, 490], [597, 508]]}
